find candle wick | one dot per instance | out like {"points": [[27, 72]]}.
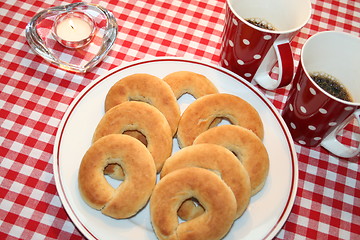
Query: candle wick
{"points": [[71, 23]]}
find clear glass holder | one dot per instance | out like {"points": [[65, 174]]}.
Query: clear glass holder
{"points": [[39, 34]]}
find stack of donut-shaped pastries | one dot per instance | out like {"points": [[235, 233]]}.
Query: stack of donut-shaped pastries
{"points": [[208, 182]]}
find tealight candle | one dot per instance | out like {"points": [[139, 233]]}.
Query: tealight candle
{"points": [[74, 29]]}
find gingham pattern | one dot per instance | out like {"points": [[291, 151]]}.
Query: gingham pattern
{"points": [[35, 95]]}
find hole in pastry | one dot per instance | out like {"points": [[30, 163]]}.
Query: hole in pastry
{"points": [[196, 202], [140, 99], [190, 209], [138, 135], [238, 155], [236, 151], [188, 96], [114, 174], [185, 100], [217, 172], [218, 121]]}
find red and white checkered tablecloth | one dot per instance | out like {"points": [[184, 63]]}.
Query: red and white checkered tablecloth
{"points": [[35, 95]]}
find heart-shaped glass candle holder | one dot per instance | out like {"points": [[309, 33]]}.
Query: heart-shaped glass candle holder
{"points": [[42, 37]]}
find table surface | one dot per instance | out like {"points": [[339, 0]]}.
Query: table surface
{"points": [[35, 96]]}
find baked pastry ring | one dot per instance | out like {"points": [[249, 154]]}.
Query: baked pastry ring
{"points": [[146, 88], [185, 183], [144, 118], [134, 192], [199, 116], [247, 147], [219, 160], [197, 85]]}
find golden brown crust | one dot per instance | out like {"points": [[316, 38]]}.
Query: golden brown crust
{"points": [[134, 192], [144, 118], [205, 186], [199, 115], [247, 147], [197, 85], [219, 160], [146, 88]]}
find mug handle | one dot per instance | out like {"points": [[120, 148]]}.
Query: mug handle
{"points": [[333, 145], [286, 68]]}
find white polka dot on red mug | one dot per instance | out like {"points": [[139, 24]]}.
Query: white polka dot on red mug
{"points": [[325, 95]]}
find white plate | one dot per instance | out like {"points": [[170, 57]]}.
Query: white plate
{"points": [[268, 210]]}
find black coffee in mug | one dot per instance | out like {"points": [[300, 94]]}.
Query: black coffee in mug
{"points": [[331, 85], [261, 23]]}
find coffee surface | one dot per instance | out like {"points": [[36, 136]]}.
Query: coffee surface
{"points": [[261, 23], [331, 85]]}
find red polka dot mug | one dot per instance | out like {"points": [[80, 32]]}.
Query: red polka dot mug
{"points": [[256, 35], [325, 95]]}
